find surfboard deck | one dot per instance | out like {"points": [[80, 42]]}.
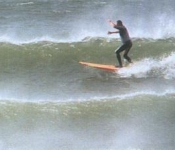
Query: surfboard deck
{"points": [[110, 68]]}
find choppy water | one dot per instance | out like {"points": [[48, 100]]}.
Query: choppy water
{"points": [[48, 101]]}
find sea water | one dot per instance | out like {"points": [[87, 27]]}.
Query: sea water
{"points": [[48, 101]]}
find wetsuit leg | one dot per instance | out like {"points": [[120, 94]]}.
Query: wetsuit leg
{"points": [[129, 45], [118, 51]]}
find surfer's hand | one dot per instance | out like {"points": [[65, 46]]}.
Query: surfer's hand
{"points": [[109, 32]]}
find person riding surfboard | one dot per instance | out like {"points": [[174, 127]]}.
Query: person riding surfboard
{"points": [[126, 40]]}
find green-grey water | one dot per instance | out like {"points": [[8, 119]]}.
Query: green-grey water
{"points": [[48, 101]]}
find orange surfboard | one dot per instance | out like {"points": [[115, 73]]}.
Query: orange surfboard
{"points": [[110, 68]]}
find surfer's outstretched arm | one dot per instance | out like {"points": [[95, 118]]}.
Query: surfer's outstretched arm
{"points": [[109, 32], [111, 23]]}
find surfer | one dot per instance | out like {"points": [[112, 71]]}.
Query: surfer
{"points": [[127, 43]]}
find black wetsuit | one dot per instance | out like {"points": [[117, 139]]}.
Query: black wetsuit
{"points": [[127, 44]]}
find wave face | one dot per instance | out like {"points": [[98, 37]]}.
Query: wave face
{"points": [[48, 101], [50, 71]]}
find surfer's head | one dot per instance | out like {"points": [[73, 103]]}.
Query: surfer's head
{"points": [[119, 22]]}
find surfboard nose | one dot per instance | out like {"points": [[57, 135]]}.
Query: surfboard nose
{"points": [[104, 67]]}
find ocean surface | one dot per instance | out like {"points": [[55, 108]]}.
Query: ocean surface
{"points": [[48, 101]]}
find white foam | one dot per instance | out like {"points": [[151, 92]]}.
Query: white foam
{"points": [[162, 67], [168, 66], [10, 39]]}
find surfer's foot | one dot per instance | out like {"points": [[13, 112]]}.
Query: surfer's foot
{"points": [[118, 66], [130, 61]]}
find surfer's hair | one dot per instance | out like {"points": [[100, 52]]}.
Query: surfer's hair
{"points": [[119, 22]]}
